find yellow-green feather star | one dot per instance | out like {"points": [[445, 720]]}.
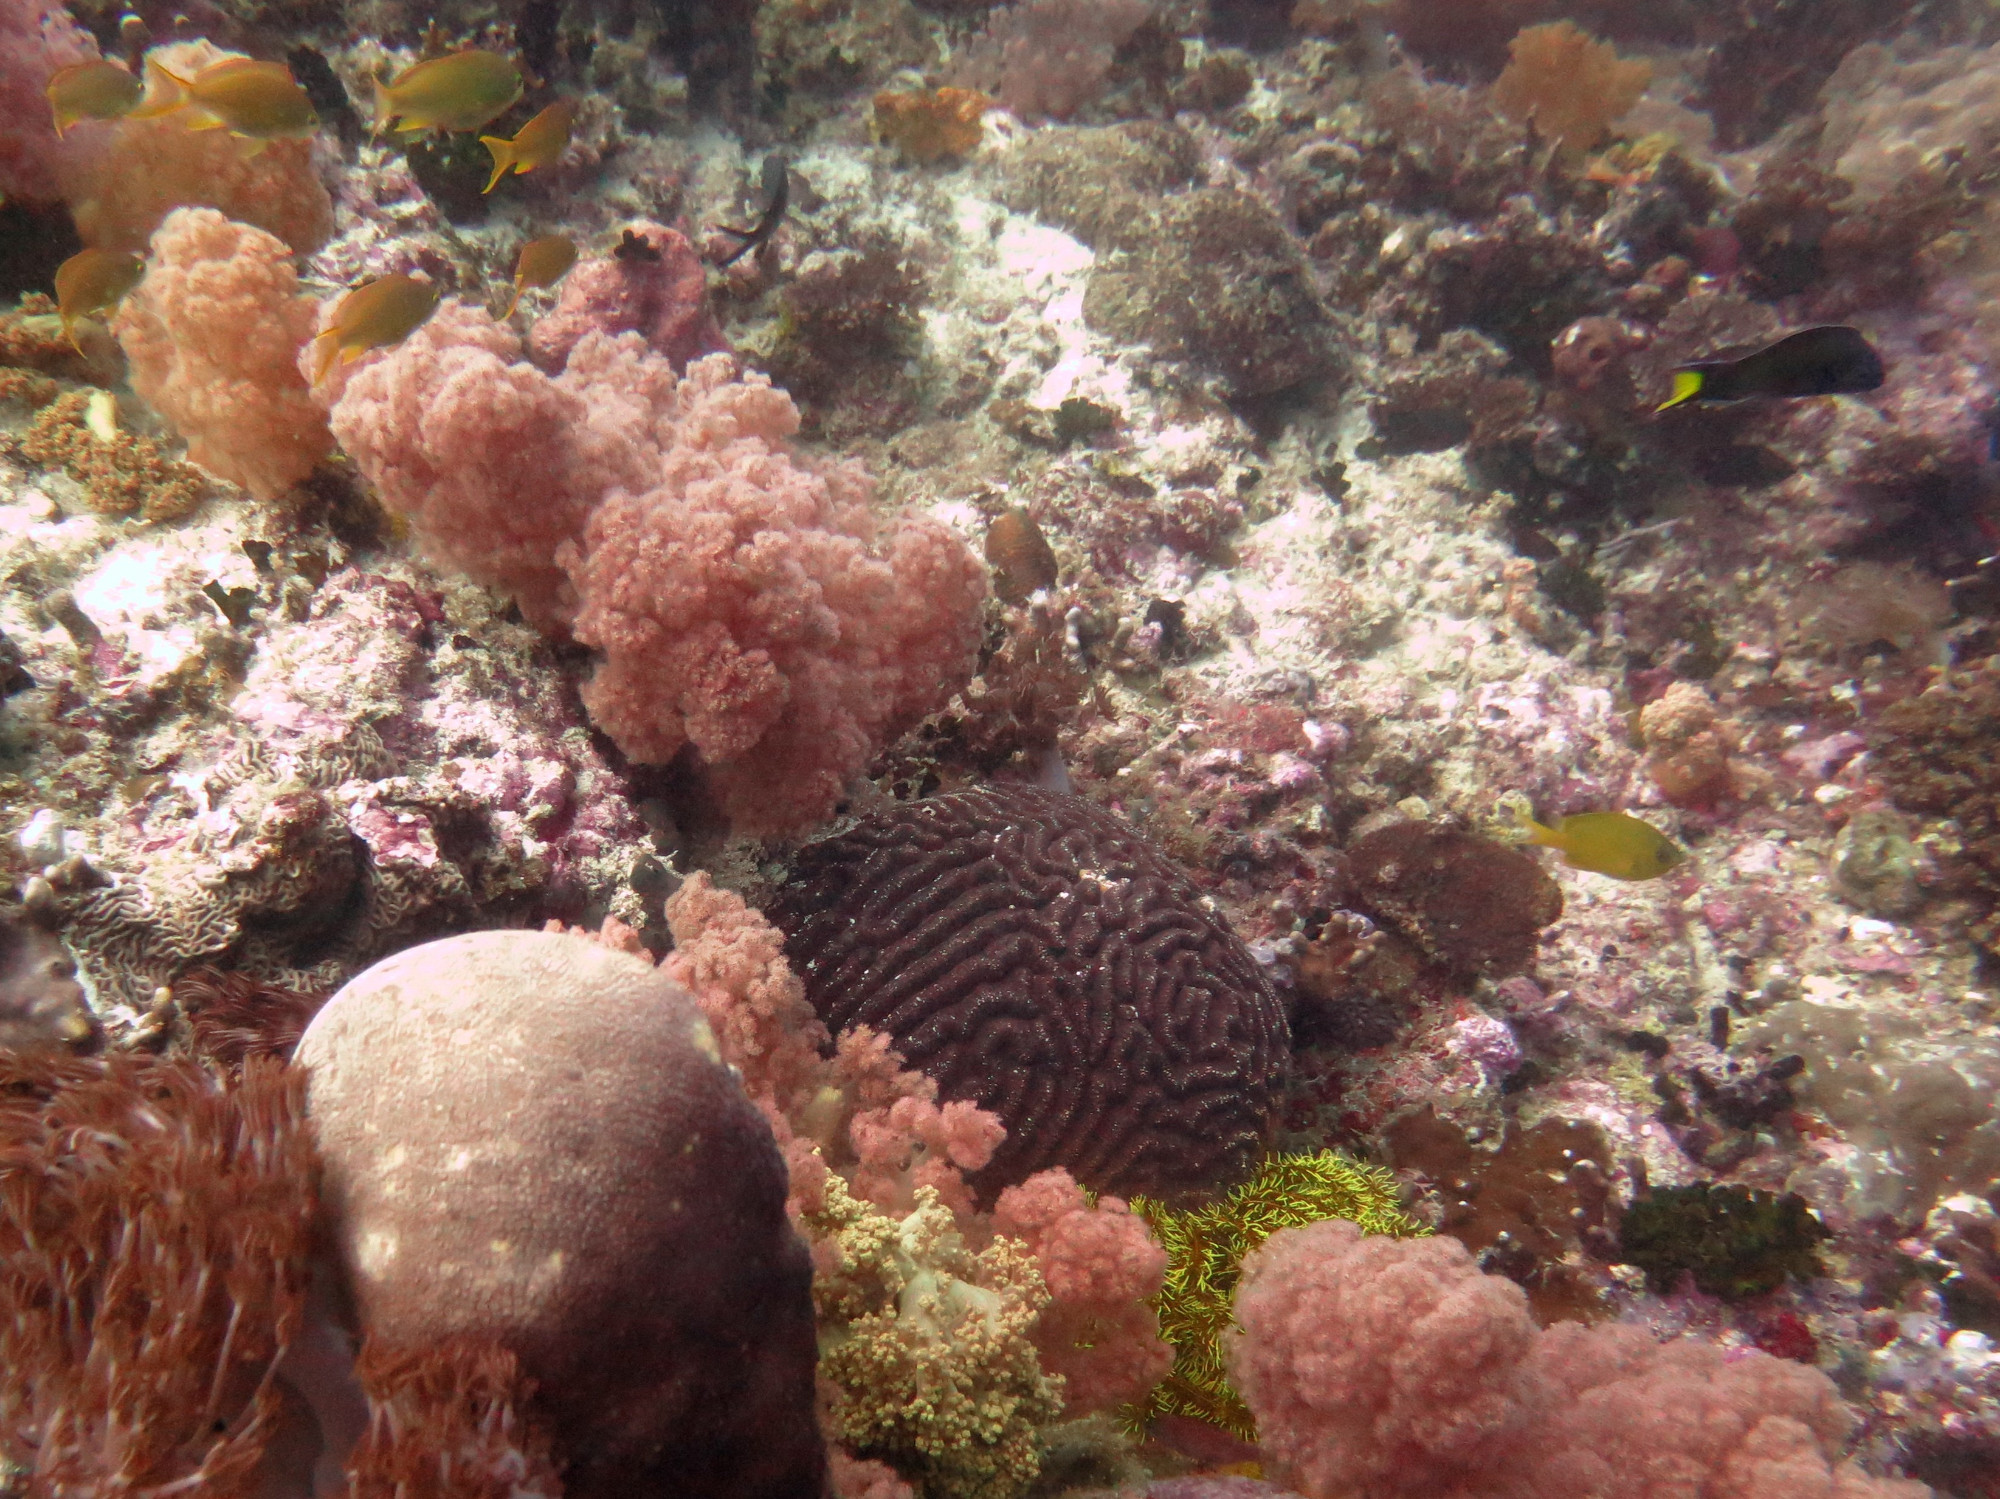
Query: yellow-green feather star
{"points": [[1205, 1248]]}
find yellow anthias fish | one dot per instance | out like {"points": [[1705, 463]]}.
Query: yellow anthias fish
{"points": [[90, 281], [97, 90], [259, 101], [537, 144], [460, 92], [1608, 843], [542, 262], [374, 315]]}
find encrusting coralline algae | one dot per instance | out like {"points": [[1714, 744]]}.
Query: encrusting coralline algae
{"points": [[1123, 524]]}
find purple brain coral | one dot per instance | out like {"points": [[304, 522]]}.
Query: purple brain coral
{"points": [[1036, 956]]}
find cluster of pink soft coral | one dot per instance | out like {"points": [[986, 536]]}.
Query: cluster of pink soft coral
{"points": [[213, 335], [36, 38], [1389, 1369], [736, 591]]}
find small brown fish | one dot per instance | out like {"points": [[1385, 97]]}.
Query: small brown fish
{"points": [[375, 315], [1020, 555], [536, 144], [96, 90], [91, 281], [542, 263], [460, 92], [258, 101]]}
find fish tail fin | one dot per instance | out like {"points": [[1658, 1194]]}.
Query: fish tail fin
{"points": [[1538, 832], [328, 345], [69, 332], [250, 146], [385, 106], [504, 159], [512, 303], [1687, 385]]}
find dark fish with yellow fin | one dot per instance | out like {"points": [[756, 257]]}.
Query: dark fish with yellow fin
{"points": [[96, 90], [257, 101], [1829, 360], [536, 144], [91, 281], [375, 315], [460, 92], [1610, 843], [542, 263]]}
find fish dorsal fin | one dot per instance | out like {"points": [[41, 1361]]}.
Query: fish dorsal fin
{"points": [[1687, 385]]}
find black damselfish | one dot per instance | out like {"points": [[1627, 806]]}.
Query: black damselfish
{"points": [[1828, 360]]}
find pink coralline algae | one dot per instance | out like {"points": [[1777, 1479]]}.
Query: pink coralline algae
{"points": [[36, 38], [213, 334], [1394, 1367], [736, 592], [653, 284]]}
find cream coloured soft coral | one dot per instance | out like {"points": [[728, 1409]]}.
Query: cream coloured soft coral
{"points": [[213, 334], [1384, 1368]]}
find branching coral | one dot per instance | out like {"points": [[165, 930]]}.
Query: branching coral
{"points": [[1205, 1249], [213, 334], [155, 1223], [927, 1351]]}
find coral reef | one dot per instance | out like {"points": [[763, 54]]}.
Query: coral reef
{"points": [[36, 38], [213, 333], [1568, 85], [651, 284], [1466, 902], [1057, 970], [659, 1227], [1733, 1241], [1047, 58]]}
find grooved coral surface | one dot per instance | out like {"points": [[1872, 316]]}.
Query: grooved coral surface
{"points": [[1037, 956], [213, 334]]}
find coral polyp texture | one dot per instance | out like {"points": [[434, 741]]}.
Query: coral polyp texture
{"points": [[1037, 956]]}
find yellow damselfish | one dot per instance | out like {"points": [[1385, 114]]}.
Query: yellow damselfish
{"points": [[259, 101], [95, 90], [1610, 843], [542, 262], [460, 92], [537, 144], [374, 315], [90, 281]]}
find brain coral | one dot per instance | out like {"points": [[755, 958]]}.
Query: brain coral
{"points": [[532, 1137], [1036, 956]]}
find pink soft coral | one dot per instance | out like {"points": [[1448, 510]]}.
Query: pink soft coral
{"points": [[741, 606], [213, 334], [860, 1109], [659, 292], [1101, 1267], [1393, 1368], [36, 38], [733, 588]]}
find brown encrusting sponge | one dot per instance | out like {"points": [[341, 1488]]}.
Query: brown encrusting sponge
{"points": [[1034, 954]]}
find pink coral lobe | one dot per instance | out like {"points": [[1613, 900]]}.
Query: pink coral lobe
{"points": [[1392, 1368], [213, 334], [660, 293], [36, 38], [1101, 1266]]}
